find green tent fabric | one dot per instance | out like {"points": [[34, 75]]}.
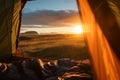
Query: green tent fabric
{"points": [[115, 7], [15, 23], [10, 19]]}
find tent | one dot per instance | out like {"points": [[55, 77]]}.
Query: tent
{"points": [[101, 21], [10, 21]]}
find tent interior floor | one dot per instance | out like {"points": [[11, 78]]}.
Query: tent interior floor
{"points": [[10, 59], [20, 68]]}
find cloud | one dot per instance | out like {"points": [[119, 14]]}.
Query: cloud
{"points": [[51, 18], [34, 26]]}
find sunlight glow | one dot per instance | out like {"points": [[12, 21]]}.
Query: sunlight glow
{"points": [[77, 29]]}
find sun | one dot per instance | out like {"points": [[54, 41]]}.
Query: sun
{"points": [[77, 29]]}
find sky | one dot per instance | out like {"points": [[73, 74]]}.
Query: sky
{"points": [[35, 5], [50, 16]]}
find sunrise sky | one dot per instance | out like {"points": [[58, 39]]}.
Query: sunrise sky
{"points": [[50, 16]]}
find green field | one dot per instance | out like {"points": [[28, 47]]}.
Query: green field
{"points": [[54, 46]]}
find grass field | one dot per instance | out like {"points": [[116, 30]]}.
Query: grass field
{"points": [[54, 46]]}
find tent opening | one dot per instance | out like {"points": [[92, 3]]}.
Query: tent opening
{"points": [[52, 31]]}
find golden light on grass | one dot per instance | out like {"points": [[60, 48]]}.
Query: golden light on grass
{"points": [[77, 29]]}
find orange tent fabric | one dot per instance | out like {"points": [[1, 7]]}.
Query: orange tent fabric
{"points": [[106, 64]]}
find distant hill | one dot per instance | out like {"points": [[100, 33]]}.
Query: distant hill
{"points": [[30, 32]]}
